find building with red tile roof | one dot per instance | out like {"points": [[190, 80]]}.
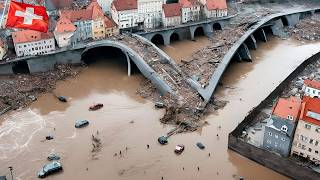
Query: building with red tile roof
{"points": [[311, 88], [30, 42], [171, 14], [215, 8], [307, 136], [125, 13], [190, 10], [288, 108], [64, 31]]}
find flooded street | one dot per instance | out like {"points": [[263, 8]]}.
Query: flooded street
{"points": [[127, 123]]}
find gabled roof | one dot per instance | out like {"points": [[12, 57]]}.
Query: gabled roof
{"points": [[312, 84], [189, 3], [285, 107], [310, 111], [93, 11], [123, 5], [24, 36], [172, 10], [64, 25], [109, 22], [216, 4]]}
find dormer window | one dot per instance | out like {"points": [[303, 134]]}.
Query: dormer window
{"points": [[284, 128], [290, 117]]}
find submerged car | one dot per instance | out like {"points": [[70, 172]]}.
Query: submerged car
{"points": [[53, 157], [62, 99], [50, 168], [163, 140], [81, 123], [95, 107], [200, 145], [179, 149]]}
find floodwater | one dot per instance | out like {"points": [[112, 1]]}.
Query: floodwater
{"points": [[127, 123]]}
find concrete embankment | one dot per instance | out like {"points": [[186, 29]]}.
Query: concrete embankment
{"points": [[284, 166]]}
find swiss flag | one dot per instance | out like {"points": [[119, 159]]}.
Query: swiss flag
{"points": [[27, 16]]}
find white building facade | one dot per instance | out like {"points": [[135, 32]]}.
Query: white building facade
{"points": [[190, 10], [150, 12], [32, 43], [171, 14], [125, 13]]}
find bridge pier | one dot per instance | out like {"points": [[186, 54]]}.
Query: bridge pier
{"points": [[244, 53], [208, 30], [128, 63], [251, 42], [166, 37], [277, 29], [261, 35], [293, 19]]}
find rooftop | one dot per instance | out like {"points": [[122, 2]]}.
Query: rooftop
{"points": [[93, 11], [310, 111], [313, 84], [287, 107], [172, 10], [216, 4], [122, 5], [24, 36], [189, 3], [64, 25]]}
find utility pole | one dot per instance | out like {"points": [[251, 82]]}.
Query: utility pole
{"points": [[11, 169]]}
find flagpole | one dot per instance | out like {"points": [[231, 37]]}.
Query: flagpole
{"points": [[4, 10]]}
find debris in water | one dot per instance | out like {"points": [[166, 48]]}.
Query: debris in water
{"points": [[53, 157], [159, 105], [95, 107], [49, 137], [200, 145], [81, 123]]}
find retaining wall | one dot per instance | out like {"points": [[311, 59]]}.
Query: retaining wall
{"points": [[285, 166]]}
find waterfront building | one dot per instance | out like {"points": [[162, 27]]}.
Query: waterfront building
{"points": [[307, 135], [311, 88], [125, 13], [171, 15], [30, 42], [111, 27], [190, 10], [280, 128], [214, 8], [64, 31], [150, 13], [3, 49]]}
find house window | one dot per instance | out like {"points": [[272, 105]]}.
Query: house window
{"points": [[290, 117], [303, 147], [276, 136], [318, 130], [284, 128], [307, 126], [309, 149], [316, 143], [283, 139], [316, 152], [270, 134]]}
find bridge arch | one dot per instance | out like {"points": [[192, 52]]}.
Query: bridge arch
{"points": [[216, 26], [157, 39], [174, 37], [199, 31], [285, 20]]}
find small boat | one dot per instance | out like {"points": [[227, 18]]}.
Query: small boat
{"points": [[179, 148], [95, 107]]}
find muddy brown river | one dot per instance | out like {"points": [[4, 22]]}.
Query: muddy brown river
{"points": [[127, 123]]}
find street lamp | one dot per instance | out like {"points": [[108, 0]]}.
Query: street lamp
{"points": [[11, 169]]}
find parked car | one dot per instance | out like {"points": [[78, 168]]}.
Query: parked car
{"points": [[179, 148], [81, 123], [95, 107], [50, 168]]}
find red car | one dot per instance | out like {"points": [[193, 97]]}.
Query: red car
{"points": [[95, 107], [179, 149]]}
